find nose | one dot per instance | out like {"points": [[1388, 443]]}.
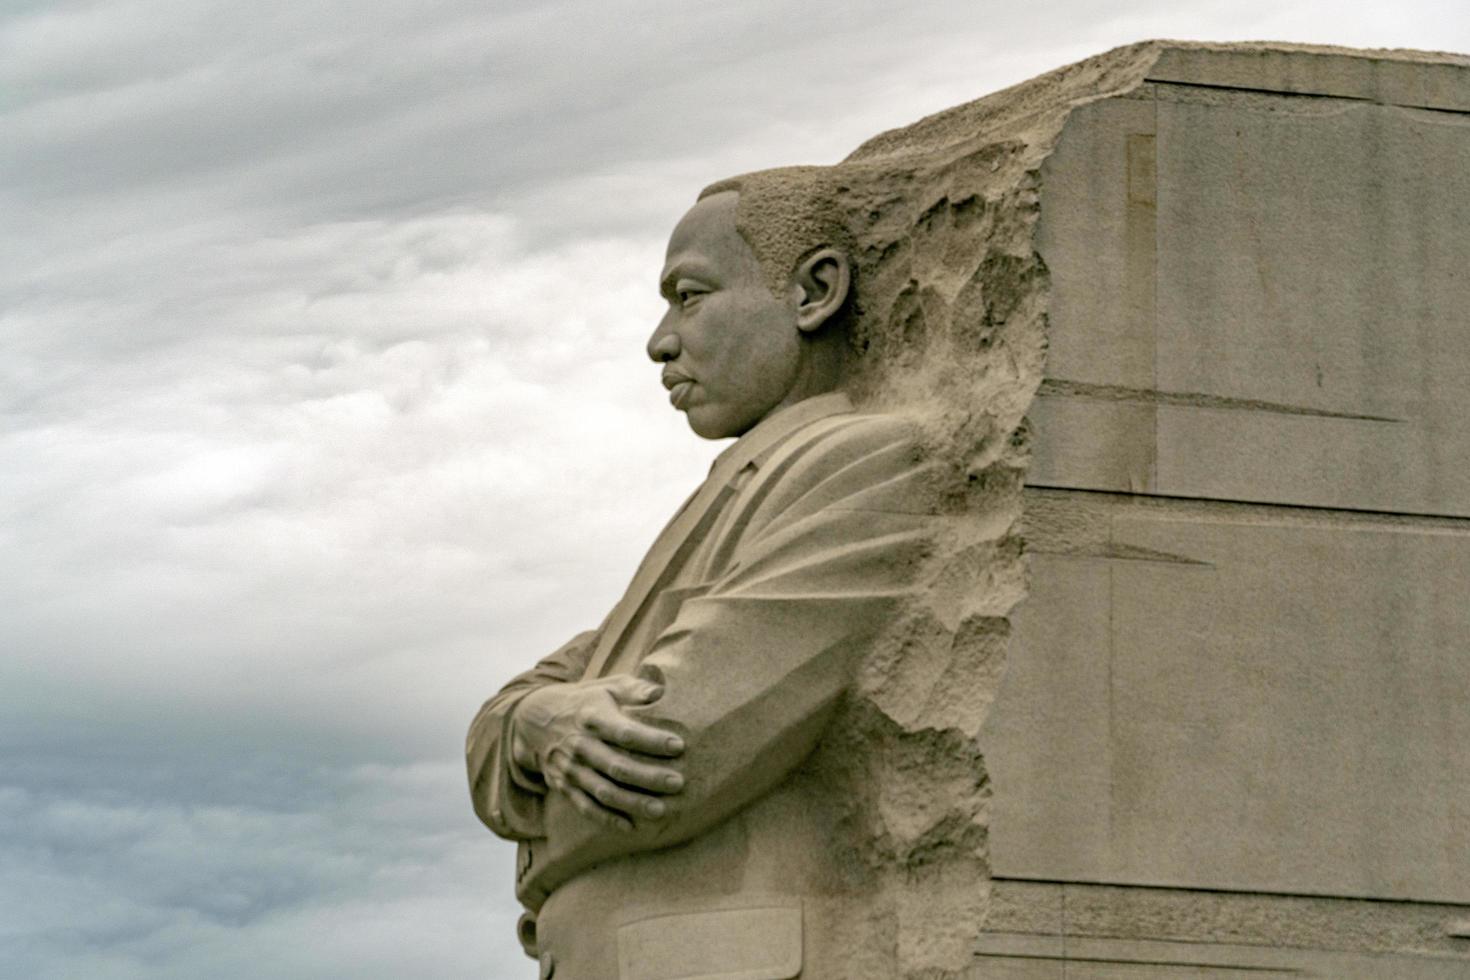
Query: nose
{"points": [[664, 344]]}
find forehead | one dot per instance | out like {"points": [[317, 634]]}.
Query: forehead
{"points": [[706, 236]]}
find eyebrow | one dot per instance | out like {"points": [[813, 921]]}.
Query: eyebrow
{"points": [[687, 268]]}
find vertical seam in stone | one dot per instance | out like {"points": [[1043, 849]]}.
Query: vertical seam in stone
{"points": [[1065, 933], [1141, 251], [1112, 734], [1153, 306]]}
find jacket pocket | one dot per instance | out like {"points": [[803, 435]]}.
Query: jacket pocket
{"points": [[759, 943]]}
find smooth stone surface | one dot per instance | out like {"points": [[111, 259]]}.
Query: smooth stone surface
{"points": [[1263, 699], [1234, 731], [1259, 298], [1054, 930]]}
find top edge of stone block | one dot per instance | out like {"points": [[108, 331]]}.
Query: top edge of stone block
{"points": [[1033, 109], [1294, 48], [1389, 76]]}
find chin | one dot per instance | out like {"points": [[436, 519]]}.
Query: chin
{"points": [[706, 431], [714, 424]]}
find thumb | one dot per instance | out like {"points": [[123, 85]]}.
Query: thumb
{"points": [[628, 689]]}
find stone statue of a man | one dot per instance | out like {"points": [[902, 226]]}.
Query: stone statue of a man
{"points": [[661, 772]]}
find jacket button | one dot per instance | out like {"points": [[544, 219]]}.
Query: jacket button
{"points": [[548, 966]]}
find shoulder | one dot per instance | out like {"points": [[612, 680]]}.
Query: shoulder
{"points": [[849, 435], [859, 459]]}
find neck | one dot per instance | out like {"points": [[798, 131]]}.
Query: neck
{"points": [[822, 367]]}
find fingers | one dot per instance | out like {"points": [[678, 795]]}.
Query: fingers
{"points": [[606, 764], [615, 728], [593, 794], [613, 797], [589, 808], [564, 774], [624, 769]]}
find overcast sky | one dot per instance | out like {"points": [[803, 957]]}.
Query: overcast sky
{"points": [[324, 409]]}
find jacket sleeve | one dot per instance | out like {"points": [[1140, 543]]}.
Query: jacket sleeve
{"points": [[754, 665], [510, 801]]}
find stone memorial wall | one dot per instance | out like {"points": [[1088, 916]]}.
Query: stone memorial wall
{"points": [[1233, 738]]}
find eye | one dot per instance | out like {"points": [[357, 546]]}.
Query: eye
{"points": [[688, 292]]}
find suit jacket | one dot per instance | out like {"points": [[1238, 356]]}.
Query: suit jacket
{"points": [[753, 609]]}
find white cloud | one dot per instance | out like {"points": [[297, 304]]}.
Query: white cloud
{"points": [[366, 443]]}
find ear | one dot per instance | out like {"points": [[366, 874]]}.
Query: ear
{"points": [[823, 280]]}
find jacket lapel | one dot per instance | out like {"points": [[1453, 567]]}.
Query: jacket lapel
{"points": [[693, 521]]}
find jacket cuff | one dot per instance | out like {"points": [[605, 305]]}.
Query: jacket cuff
{"points": [[516, 797]]}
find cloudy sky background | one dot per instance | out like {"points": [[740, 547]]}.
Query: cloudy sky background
{"points": [[323, 410]]}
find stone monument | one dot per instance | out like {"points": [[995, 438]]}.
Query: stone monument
{"points": [[1228, 731]]}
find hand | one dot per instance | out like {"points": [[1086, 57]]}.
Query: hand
{"points": [[577, 736]]}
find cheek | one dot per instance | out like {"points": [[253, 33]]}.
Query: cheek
{"points": [[764, 346], [772, 360]]}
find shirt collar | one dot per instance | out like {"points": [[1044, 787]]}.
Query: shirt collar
{"points": [[775, 427]]}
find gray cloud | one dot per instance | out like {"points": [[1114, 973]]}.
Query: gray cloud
{"points": [[258, 868], [323, 409], [383, 476]]}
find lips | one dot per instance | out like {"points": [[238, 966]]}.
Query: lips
{"points": [[680, 385]]}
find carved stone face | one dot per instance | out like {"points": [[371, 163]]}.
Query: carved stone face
{"points": [[732, 351]]}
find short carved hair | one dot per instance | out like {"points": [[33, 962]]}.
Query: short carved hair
{"points": [[784, 215]]}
